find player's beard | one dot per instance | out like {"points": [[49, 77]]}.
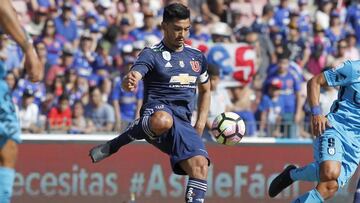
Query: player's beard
{"points": [[179, 43]]}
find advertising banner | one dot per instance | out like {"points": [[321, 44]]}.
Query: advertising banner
{"points": [[63, 172]]}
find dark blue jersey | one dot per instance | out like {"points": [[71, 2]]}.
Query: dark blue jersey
{"points": [[171, 77]]}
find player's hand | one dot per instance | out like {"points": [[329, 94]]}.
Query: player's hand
{"points": [[131, 80], [33, 66], [319, 124]]}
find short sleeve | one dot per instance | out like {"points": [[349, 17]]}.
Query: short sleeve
{"points": [[144, 63], [341, 75]]}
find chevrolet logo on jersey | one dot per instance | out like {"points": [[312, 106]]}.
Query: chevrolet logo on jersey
{"points": [[183, 79]]}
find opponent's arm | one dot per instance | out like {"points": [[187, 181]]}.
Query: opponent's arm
{"points": [[318, 121], [203, 106], [10, 24]]}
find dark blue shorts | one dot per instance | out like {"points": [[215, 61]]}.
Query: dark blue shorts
{"points": [[181, 142]]}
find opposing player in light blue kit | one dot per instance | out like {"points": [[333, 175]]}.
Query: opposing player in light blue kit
{"points": [[172, 72], [9, 126], [337, 145]]}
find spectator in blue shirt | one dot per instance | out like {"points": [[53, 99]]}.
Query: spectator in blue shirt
{"points": [[126, 104], [103, 59], [65, 25], [290, 92], [352, 17], [37, 88], [304, 21], [336, 31], [282, 15], [54, 42], [101, 113], [123, 37], [198, 32], [149, 29], [85, 56], [270, 109]]}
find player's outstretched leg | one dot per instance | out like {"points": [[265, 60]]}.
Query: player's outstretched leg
{"points": [[8, 154], [357, 193], [327, 186], [309, 172], [196, 167], [282, 181], [145, 127]]}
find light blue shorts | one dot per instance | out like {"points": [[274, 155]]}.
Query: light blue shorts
{"points": [[334, 146], [9, 124]]}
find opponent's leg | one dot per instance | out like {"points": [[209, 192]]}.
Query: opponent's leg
{"points": [[290, 174], [328, 185], [8, 154], [146, 126], [197, 168]]}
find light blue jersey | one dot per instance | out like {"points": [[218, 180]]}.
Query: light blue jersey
{"points": [[341, 142], [345, 111], [9, 124]]}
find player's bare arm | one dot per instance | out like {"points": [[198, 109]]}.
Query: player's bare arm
{"points": [[131, 81], [318, 121], [203, 106], [11, 26]]}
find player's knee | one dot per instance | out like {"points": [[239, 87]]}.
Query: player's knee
{"points": [[161, 122], [328, 189], [198, 167], [329, 173], [9, 154]]}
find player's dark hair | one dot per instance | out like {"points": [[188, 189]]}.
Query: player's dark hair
{"points": [[175, 11], [213, 70]]}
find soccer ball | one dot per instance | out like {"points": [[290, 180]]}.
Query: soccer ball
{"points": [[228, 128]]}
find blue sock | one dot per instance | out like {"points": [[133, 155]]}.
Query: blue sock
{"points": [[313, 196], [306, 173], [7, 176], [195, 190], [137, 130], [357, 193]]}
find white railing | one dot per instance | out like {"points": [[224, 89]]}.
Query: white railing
{"points": [[105, 137]]}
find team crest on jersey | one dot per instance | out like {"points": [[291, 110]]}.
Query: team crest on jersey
{"points": [[195, 65], [181, 64], [166, 55], [331, 151]]}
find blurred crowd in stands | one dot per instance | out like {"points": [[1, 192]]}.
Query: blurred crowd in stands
{"points": [[88, 45]]}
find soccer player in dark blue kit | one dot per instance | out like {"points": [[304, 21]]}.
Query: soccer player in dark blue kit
{"points": [[9, 125], [171, 71]]}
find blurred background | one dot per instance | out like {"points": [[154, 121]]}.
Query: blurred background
{"points": [[260, 53]]}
